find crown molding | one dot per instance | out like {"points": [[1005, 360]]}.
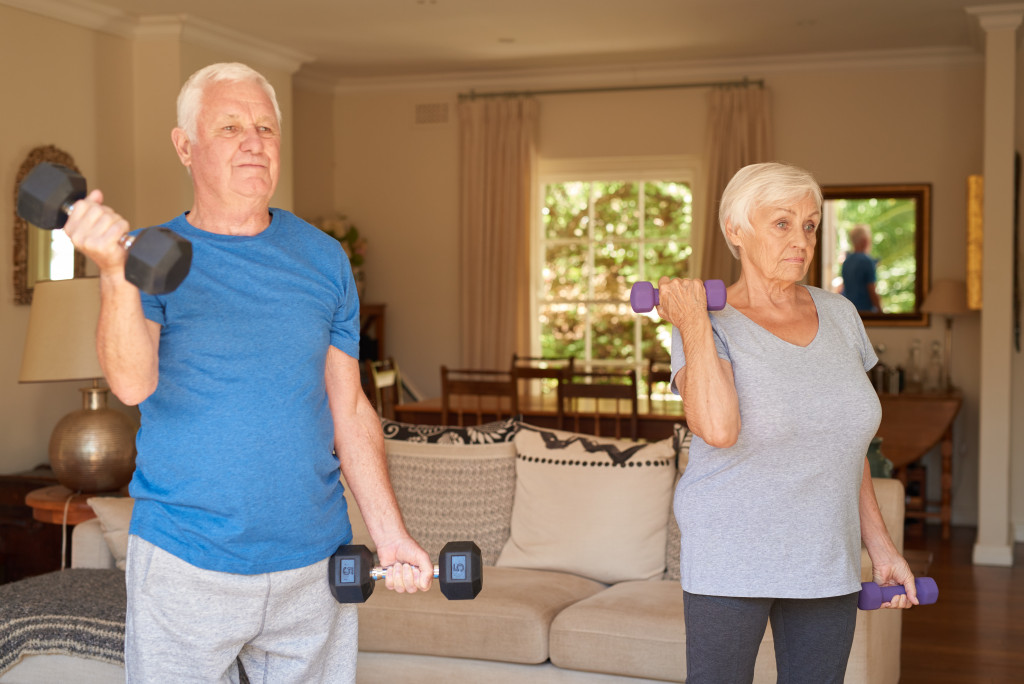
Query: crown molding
{"points": [[183, 27], [652, 73]]}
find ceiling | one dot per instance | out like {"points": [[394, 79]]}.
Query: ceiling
{"points": [[378, 38]]}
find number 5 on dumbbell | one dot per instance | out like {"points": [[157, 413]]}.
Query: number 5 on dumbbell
{"points": [[351, 573], [158, 258]]}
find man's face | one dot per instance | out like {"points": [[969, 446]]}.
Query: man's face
{"points": [[236, 153]]}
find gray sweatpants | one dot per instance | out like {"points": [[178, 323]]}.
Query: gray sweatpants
{"points": [[813, 638], [186, 624]]}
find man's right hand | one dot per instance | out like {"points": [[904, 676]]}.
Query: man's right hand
{"points": [[96, 230]]}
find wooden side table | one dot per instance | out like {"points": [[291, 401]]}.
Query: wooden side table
{"points": [[48, 505]]}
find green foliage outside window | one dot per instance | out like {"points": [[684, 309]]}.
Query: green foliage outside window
{"points": [[600, 237]]}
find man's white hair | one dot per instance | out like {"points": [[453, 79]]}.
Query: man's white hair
{"points": [[190, 99], [758, 185]]}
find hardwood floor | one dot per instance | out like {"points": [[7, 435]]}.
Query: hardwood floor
{"points": [[974, 634]]}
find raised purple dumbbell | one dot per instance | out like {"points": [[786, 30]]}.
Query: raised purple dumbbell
{"points": [[873, 596], [643, 297]]}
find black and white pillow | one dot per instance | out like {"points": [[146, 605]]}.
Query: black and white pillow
{"points": [[488, 433]]}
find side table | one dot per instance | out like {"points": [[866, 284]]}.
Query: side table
{"points": [[48, 505]]}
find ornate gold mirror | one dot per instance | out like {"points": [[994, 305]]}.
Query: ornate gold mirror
{"points": [[41, 254], [897, 222]]}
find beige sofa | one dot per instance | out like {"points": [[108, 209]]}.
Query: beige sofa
{"points": [[581, 566]]}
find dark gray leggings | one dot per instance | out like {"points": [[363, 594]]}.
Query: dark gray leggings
{"points": [[812, 637]]}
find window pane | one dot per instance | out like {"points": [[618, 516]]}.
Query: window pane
{"points": [[563, 326], [613, 329], [565, 271], [566, 213], [670, 259], [668, 208], [616, 210], [615, 270]]}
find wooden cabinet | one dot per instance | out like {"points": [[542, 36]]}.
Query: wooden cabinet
{"points": [[27, 546]]}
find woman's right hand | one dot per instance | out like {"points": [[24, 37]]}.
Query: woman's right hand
{"points": [[681, 300]]}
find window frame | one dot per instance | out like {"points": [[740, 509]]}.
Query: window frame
{"points": [[684, 168]]}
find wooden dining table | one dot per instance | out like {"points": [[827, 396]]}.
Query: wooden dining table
{"points": [[655, 420]]}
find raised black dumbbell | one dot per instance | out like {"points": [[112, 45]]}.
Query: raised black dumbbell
{"points": [[351, 573], [158, 258]]}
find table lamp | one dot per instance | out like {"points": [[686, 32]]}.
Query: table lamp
{"points": [[947, 298], [92, 449]]}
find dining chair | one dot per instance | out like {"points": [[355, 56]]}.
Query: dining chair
{"points": [[386, 381], [539, 375], [659, 372], [595, 398], [483, 395]]}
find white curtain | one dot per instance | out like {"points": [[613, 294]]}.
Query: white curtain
{"points": [[497, 138], [739, 133]]}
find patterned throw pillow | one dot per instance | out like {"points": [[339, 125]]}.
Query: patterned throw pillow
{"points": [[681, 438], [488, 433], [590, 506], [454, 492]]}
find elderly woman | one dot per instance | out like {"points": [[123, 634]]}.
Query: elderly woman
{"points": [[777, 495]]}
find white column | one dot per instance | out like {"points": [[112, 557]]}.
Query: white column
{"points": [[994, 545]]}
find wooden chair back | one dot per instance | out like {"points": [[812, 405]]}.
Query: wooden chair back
{"points": [[658, 372], [596, 400], [538, 375], [478, 395], [386, 381]]}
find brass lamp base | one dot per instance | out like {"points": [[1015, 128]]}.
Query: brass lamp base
{"points": [[93, 449]]}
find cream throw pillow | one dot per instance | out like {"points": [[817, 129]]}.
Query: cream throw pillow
{"points": [[590, 506], [115, 515]]}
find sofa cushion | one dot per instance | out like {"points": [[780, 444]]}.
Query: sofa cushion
{"points": [[115, 516], [635, 629], [595, 507], [450, 492], [508, 621], [488, 433]]}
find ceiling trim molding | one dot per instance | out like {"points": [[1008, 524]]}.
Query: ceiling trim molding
{"points": [[660, 72], [188, 29]]}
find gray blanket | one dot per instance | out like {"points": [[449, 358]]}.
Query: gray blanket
{"points": [[77, 612]]}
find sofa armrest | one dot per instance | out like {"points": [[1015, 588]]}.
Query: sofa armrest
{"points": [[88, 546]]}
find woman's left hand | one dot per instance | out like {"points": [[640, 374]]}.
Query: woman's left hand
{"points": [[892, 571]]}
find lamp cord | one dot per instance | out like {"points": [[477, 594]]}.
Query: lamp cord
{"points": [[64, 531]]}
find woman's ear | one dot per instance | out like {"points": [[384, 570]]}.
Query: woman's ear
{"points": [[732, 234]]}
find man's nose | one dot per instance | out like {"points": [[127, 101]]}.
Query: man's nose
{"points": [[251, 140]]}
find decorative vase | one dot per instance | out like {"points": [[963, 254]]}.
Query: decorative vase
{"points": [[879, 464]]}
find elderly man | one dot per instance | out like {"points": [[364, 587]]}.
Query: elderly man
{"points": [[247, 379], [859, 271]]}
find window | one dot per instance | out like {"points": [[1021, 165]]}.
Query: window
{"points": [[602, 226]]}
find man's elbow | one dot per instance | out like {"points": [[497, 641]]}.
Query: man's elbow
{"points": [[132, 394]]}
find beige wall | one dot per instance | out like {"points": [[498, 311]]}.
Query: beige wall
{"points": [[867, 124]]}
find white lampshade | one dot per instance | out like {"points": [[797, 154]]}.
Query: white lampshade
{"points": [[947, 298], [61, 339]]}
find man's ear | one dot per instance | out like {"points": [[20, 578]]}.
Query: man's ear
{"points": [[182, 145]]}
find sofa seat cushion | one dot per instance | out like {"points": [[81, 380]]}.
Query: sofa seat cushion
{"points": [[508, 621], [631, 628]]}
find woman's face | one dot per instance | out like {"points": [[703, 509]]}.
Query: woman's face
{"points": [[781, 244]]}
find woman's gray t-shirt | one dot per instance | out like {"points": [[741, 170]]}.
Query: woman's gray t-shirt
{"points": [[777, 514]]}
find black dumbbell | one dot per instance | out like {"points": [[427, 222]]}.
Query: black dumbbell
{"points": [[351, 573], [158, 258]]}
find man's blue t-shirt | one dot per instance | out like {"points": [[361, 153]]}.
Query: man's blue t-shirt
{"points": [[858, 272], [235, 469]]}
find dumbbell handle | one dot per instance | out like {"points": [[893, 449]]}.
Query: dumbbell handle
{"points": [[873, 596], [126, 241], [644, 297], [379, 573]]}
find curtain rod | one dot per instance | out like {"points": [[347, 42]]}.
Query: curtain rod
{"points": [[472, 94]]}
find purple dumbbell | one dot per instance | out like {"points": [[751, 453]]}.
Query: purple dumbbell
{"points": [[643, 297], [873, 596]]}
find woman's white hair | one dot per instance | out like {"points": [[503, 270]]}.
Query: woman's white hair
{"points": [[190, 99], [758, 185]]}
